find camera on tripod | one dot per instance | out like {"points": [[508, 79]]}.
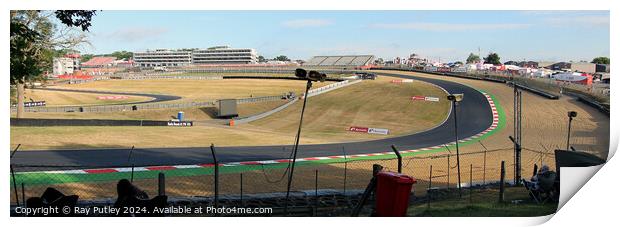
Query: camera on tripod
{"points": [[311, 75]]}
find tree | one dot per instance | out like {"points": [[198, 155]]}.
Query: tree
{"points": [[86, 57], [281, 58], [33, 39], [472, 58], [601, 60], [492, 58], [261, 58], [458, 63], [122, 54]]}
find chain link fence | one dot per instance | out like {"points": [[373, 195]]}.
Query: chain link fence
{"points": [[345, 175]]}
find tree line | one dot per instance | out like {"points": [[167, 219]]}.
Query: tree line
{"points": [[493, 58]]}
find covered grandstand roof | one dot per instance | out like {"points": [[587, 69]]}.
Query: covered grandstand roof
{"points": [[342, 60], [99, 62]]}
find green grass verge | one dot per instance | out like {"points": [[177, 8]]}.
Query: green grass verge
{"points": [[484, 203]]}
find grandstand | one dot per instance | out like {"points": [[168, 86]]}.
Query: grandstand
{"points": [[99, 62], [344, 60]]}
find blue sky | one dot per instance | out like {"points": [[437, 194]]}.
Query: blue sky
{"points": [[445, 35]]}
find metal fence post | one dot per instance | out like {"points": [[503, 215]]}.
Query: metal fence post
{"points": [[24, 194], [13, 176], [344, 183], [131, 161], [448, 183], [501, 183], [400, 159], [161, 184], [14, 186], [216, 177], [484, 167], [430, 184], [471, 167], [316, 191]]}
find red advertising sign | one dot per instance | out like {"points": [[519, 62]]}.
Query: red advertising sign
{"points": [[358, 129], [425, 98], [80, 77], [381, 131]]}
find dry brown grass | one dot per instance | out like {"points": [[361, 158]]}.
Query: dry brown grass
{"points": [[376, 104], [59, 98], [197, 90], [370, 104]]}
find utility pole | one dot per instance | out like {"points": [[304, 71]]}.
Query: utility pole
{"points": [[310, 77], [456, 98], [571, 115], [517, 134]]}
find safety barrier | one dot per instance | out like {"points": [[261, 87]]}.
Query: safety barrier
{"points": [[313, 92], [35, 122], [489, 78]]}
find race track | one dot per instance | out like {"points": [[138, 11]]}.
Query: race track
{"points": [[155, 97], [474, 114]]}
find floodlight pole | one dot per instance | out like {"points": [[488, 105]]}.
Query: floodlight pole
{"points": [[290, 174], [570, 120], [456, 135]]}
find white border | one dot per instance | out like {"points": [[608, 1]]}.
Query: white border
{"points": [[595, 204]]}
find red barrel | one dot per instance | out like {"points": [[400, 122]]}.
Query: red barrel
{"points": [[392, 198]]}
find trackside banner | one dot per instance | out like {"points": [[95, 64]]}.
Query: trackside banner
{"points": [[402, 81], [380, 131], [358, 129], [35, 103], [180, 123], [112, 97], [425, 98]]}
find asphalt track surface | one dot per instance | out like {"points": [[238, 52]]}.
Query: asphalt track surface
{"points": [[474, 115], [156, 97]]}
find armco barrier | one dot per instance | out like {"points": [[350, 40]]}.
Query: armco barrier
{"points": [[261, 99], [275, 78], [264, 114], [129, 107], [536, 91], [33, 122], [321, 90], [460, 75], [485, 78], [117, 108], [590, 102], [311, 93]]}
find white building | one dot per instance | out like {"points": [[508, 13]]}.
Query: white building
{"points": [[64, 65], [224, 55], [162, 57], [214, 55]]}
